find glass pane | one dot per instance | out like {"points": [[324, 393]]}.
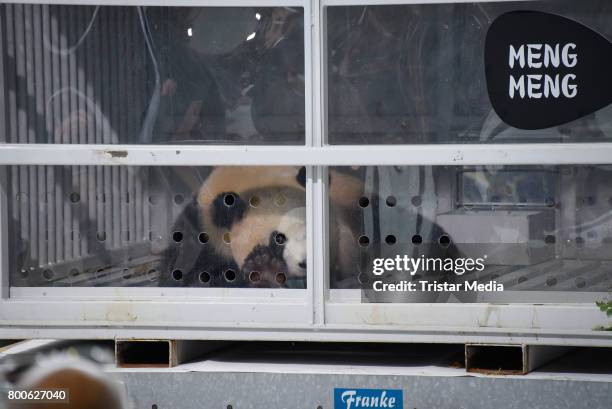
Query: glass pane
{"points": [[136, 75], [111, 226], [532, 229], [415, 74]]}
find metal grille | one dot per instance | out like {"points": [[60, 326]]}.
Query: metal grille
{"points": [[57, 89], [77, 218]]}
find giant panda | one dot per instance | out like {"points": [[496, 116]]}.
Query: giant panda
{"points": [[246, 227], [89, 387]]}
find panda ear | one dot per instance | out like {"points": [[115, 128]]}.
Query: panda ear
{"points": [[228, 209], [301, 176]]}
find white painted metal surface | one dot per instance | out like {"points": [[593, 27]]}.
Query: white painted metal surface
{"points": [[344, 155]]}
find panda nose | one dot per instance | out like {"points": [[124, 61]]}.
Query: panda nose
{"points": [[302, 264]]}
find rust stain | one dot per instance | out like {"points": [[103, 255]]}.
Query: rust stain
{"points": [[118, 154]]}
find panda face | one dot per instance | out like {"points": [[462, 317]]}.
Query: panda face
{"points": [[292, 227], [264, 232]]}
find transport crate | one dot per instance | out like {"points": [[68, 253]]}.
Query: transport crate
{"points": [[370, 129]]}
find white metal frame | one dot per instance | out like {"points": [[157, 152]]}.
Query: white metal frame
{"points": [[316, 313]]}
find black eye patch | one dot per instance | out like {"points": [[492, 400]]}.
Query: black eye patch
{"points": [[228, 209], [276, 244]]}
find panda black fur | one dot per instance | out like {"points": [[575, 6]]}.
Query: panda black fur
{"points": [[255, 224]]}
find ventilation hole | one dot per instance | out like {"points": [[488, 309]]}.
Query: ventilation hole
{"points": [[280, 278], [364, 202], [579, 241], [228, 407], [46, 235], [153, 200], [126, 274], [179, 199], [204, 277], [416, 201], [230, 275], [127, 235], [229, 199], [319, 407], [417, 239], [75, 197], [227, 238], [74, 235], [101, 198], [203, 238], [591, 200], [254, 276], [101, 236], [302, 264], [177, 236], [549, 239], [391, 201], [74, 272], [390, 239], [522, 279], [280, 239], [127, 197], [551, 282], [280, 200], [363, 241], [24, 273], [363, 278], [444, 240], [153, 406], [254, 201], [177, 275], [47, 274]]}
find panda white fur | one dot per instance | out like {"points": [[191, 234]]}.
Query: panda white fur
{"points": [[246, 227]]}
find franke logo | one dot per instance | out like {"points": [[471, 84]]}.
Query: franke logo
{"points": [[345, 398]]}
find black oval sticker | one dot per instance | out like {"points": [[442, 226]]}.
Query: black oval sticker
{"points": [[545, 70]]}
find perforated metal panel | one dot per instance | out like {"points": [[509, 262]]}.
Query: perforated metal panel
{"points": [[105, 226]]}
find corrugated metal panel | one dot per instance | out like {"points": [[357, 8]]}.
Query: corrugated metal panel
{"points": [[64, 73]]}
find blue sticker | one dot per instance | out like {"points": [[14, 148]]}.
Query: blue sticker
{"points": [[353, 398]]}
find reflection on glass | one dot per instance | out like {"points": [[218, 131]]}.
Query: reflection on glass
{"points": [[535, 228], [106, 226], [135, 75], [412, 74]]}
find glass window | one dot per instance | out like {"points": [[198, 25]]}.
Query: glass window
{"points": [[415, 74], [150, 75], [529, 228], [118, 226]]}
